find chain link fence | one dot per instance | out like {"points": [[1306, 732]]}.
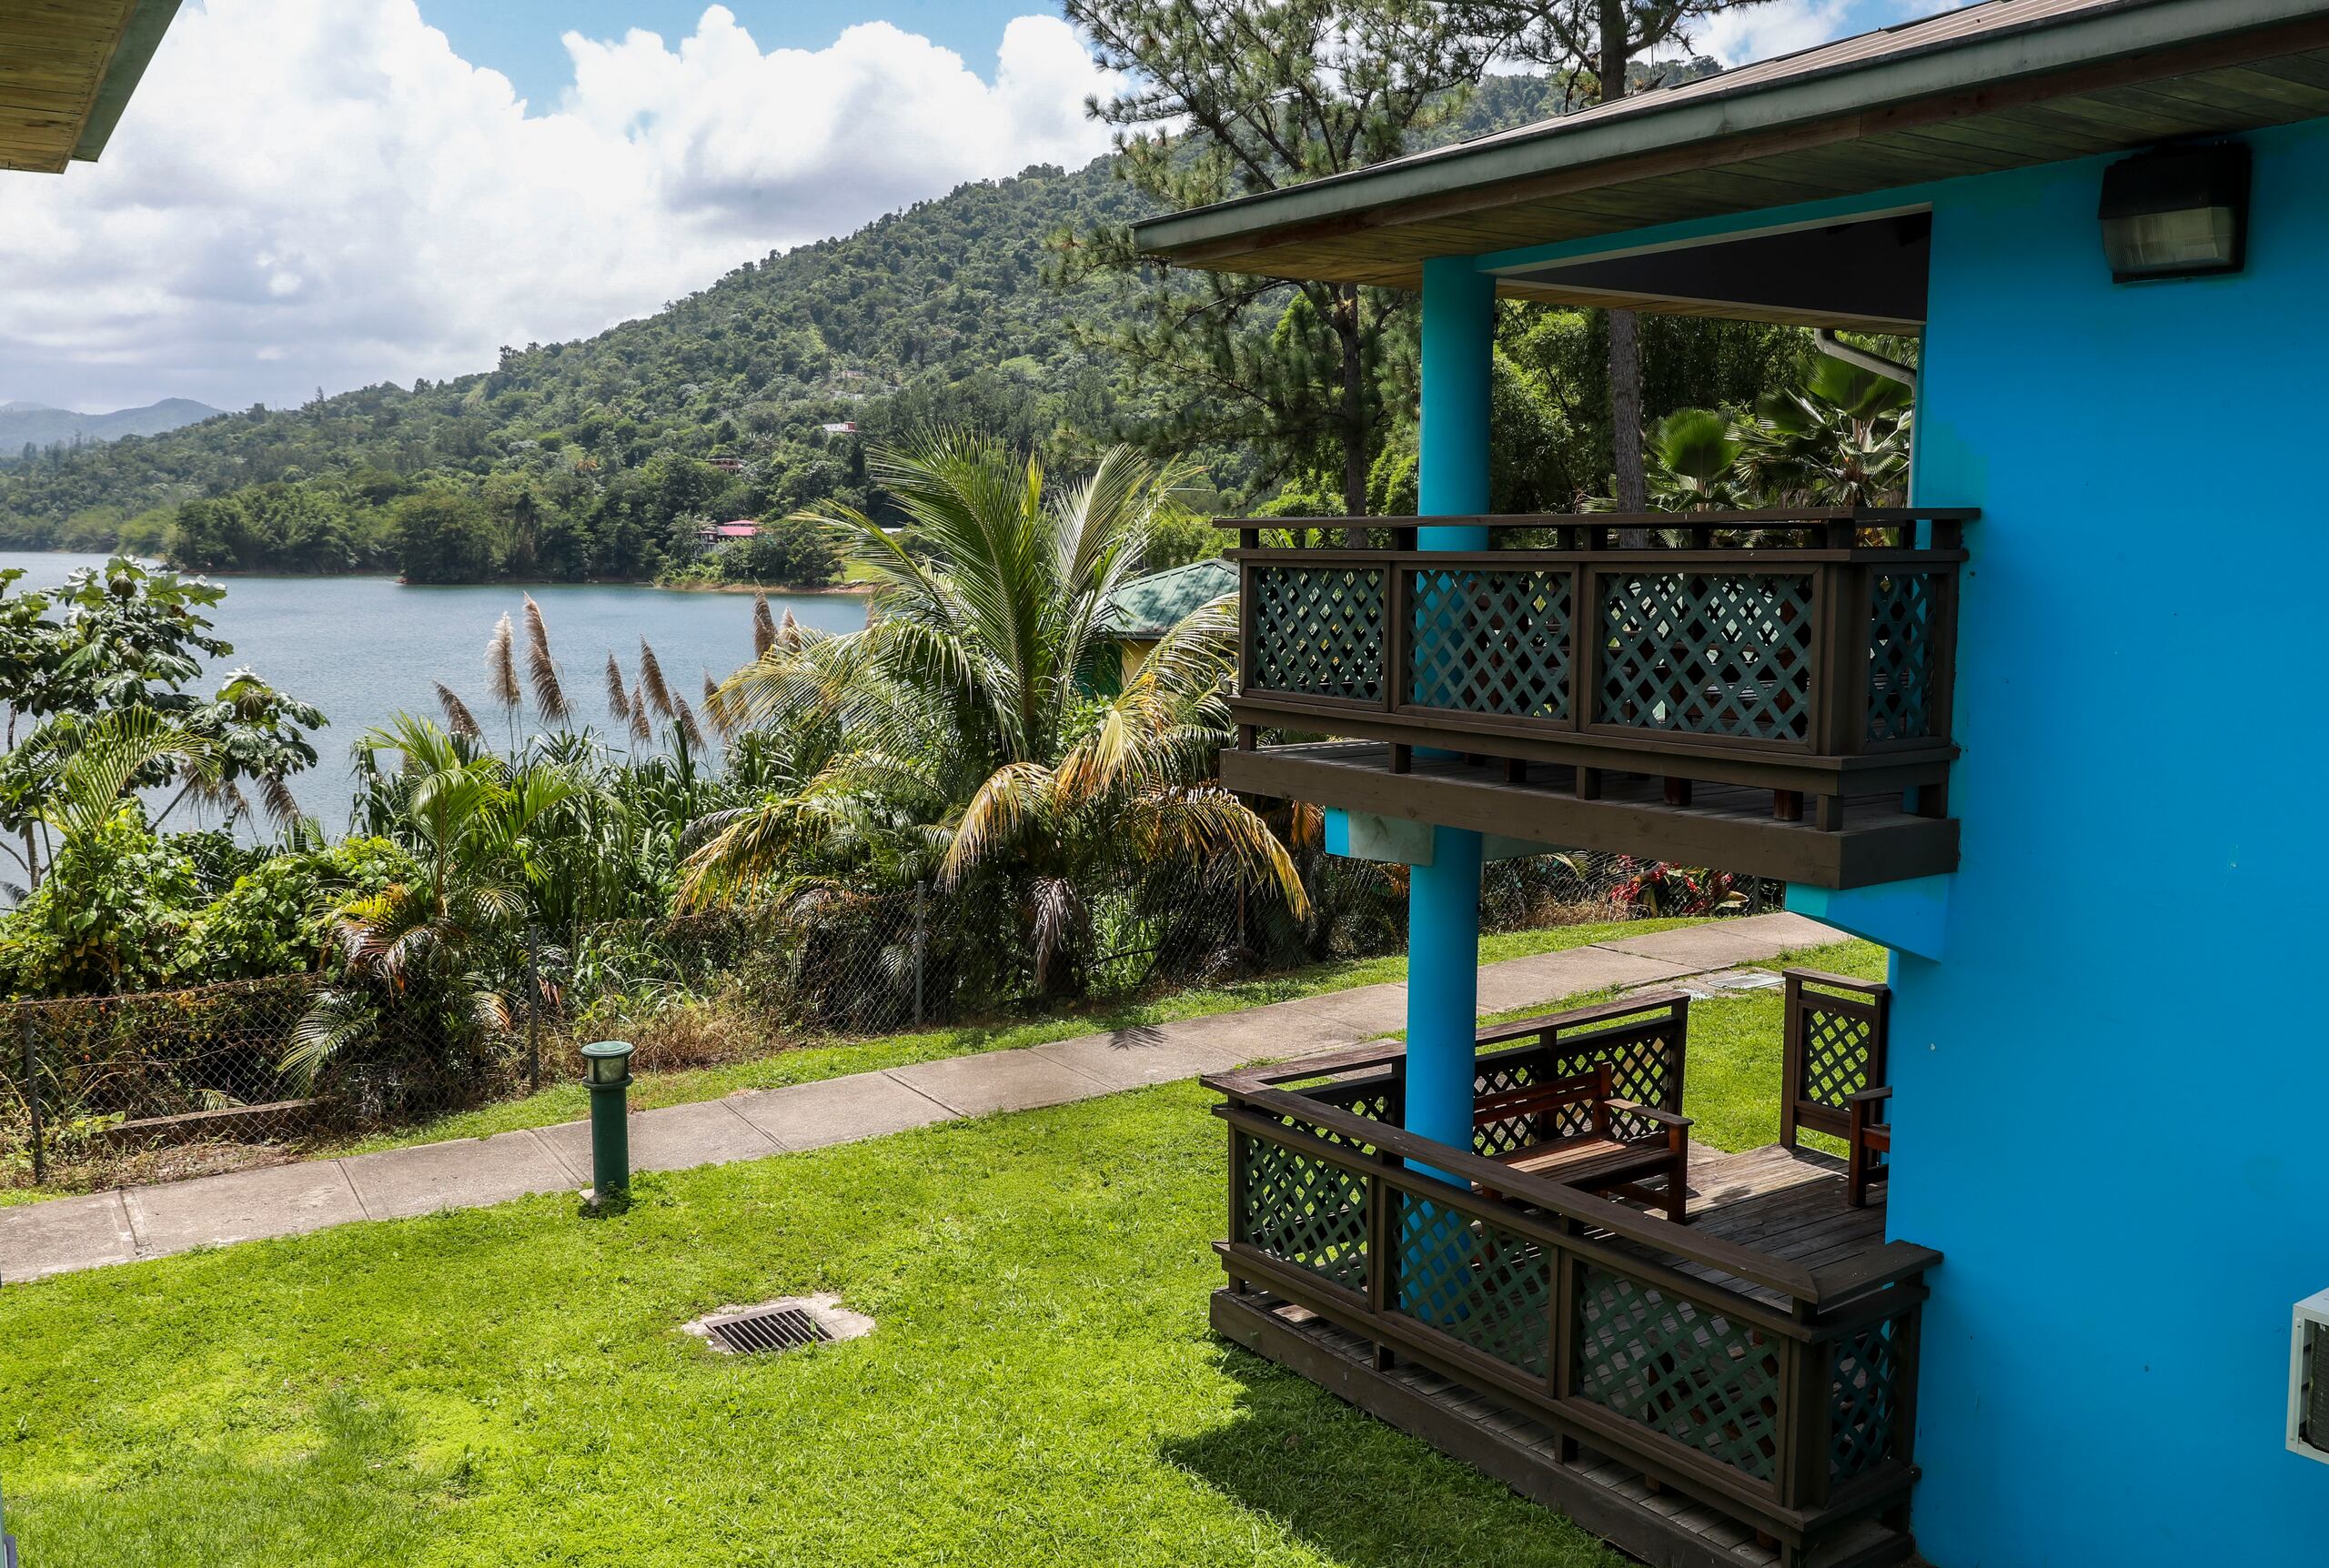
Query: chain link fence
{"points": [[160, 1085]]}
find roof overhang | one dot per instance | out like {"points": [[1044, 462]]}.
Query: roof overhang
{"points": [[2005, 85], [67, 68]]}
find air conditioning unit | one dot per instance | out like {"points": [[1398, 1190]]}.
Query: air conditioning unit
{"points": [[2309, 1378]]}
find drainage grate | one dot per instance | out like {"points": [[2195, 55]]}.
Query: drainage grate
{"points": [[768, 1330]]}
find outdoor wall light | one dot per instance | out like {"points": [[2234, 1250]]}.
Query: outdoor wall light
{"points": [[2179, 213], [607, 1069]]}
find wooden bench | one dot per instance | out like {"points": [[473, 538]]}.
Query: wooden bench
{"points": [[1554, 1108], [1835, 1073]]}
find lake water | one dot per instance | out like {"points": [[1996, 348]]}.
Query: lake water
{"points": [[363, 648]]}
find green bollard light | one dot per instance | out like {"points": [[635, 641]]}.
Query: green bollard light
{"points": [[607, 1062]]}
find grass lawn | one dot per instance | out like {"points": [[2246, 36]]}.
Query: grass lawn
{"points": [[509, 1385], [571, 1102]]}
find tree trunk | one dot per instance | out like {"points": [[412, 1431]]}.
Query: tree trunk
{"points": [[1625, 410], [1628, 489], [1355, 422]]}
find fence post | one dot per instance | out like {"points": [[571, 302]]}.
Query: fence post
{"points": [[32, 1094], [533, 1010], [921, 943]]}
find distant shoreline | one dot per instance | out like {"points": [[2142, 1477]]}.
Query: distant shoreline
{"points": [[843, 590], [847, 590]]}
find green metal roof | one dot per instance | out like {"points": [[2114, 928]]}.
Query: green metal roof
{"points": [[1850, 105], [1149, 607]]}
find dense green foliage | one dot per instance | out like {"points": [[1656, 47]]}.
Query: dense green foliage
{"points": [[793, 551]]}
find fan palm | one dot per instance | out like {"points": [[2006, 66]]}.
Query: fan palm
{"points": [[954, 738]]}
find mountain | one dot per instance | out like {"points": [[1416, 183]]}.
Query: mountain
{"points": [[40, 424], [600, 458]]}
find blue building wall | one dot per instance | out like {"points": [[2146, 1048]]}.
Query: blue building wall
{"points": [[2110, 1088], [2112, 1079]]}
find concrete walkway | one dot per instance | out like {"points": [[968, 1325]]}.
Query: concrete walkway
{"points": [[130, 1224]]}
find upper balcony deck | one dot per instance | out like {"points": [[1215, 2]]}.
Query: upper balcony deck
{"points": [[1768, 692]]}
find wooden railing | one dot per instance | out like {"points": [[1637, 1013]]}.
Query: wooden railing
{"points": [[1739, 637], [1785, 1398]]}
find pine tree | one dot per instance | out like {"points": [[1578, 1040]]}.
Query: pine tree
{"points": [[1228, 98]]}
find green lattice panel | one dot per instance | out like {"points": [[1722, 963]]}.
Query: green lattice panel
{"points": [[1863, 1399], [1305, 1211], [1900, 656], [1707, 653], [1317, 631], [1679, 1368], [1493, 1139], [1641, 1069], [1490, 642], [1476, 1281], [1836, 1048]]}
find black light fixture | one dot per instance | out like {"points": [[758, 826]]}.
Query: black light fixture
{"points": [[2182, 212]]}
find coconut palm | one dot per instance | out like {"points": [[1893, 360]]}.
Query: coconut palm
{"points": [[952, 740], [428, 945]]}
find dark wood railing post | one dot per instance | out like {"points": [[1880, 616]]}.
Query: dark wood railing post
{"points": [[1804, 1420], [1561, 1330], [1237, 1178], [1398, 616], [1382, 1250]]}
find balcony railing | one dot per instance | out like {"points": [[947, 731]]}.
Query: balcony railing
{"points": [[1781, 1395], [1806, 652]]}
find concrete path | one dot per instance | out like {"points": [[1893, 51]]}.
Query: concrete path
{"points": [[126, 1225]]}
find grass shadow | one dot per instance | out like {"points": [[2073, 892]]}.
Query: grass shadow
{"points": [[1363, 1495]]}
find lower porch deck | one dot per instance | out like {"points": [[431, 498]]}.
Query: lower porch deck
{"points": [[1751, 1372], [1788, 1206]]}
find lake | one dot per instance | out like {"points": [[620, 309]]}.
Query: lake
{"points": [[363, 648]]}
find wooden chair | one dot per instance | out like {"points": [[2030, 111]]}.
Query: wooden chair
{"points": [[1836, 1078], [1552, 1109]]}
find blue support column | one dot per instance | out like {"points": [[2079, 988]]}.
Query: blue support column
{"points": [[1444, 897]]}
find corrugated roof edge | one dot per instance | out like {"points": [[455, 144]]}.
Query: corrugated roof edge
{"points": [[2048, 40]]}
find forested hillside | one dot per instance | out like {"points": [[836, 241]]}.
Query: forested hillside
{"points": [[602, 459]]}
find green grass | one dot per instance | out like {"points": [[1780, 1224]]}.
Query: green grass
{"points": [[571, 1102], [510, 1385]]}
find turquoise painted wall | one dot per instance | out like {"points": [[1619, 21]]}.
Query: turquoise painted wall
{"points": [[2110, 1088]]}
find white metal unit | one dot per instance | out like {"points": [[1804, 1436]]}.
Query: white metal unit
{"points": [[2309, 1378]]}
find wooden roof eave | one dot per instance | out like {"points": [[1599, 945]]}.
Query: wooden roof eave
{"points": [[66, 75], [1347, 227]]}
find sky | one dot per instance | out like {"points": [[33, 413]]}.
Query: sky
{"points": [[319, 195]]}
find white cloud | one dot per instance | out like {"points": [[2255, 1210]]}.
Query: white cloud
{"points": [[1778, 27], [306, 194]]}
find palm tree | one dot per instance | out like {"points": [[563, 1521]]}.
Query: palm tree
{"points": [[1841, 440], [428, 945], [954, 738]]}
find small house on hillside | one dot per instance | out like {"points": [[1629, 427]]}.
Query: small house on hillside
{"points": [[1143, 610], [711, 536]]}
